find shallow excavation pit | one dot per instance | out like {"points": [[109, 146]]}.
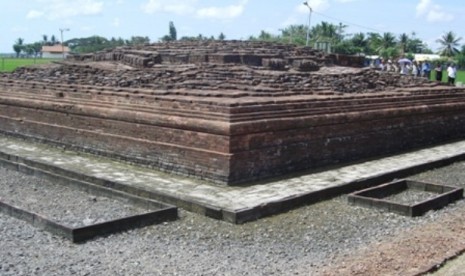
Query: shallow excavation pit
{"points": [[86, 212], [406, 197]]}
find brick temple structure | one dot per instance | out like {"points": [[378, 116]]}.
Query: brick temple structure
{"points": [[228, 112]]}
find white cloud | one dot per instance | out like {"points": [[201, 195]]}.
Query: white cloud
{"points": [[423, 7], [59, 9], [227, 12], [180, 7], [437, 15], [432, 12], [191, 7], [34, 14]]}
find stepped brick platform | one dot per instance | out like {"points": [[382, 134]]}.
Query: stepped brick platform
{"points": [[227, 112]]}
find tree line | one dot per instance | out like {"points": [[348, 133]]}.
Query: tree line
{"points": [[387, 45]]}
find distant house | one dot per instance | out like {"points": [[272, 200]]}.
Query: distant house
{"points": [[55, 51], [423, 57]]}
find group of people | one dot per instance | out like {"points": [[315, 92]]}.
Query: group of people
{"points": [[421, 69]]}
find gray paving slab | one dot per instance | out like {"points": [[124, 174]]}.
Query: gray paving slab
{"points": [[252, 201]]}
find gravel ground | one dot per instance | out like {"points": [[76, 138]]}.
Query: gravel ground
{"points": [[411, 196], [311, 240], [46, 198]]}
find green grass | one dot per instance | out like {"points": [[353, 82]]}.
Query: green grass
{"points": [[460, 76], [10, 64]]}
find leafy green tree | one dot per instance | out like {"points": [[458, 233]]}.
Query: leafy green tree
{"points": [[296, 34], [265, 36], [29, 49], [389, 53], [200, 37], [347, 47], [449, 44], [460, 59], [173, 32], [172, 35], [37, 48], [18, 46], [139, 40], [221, 36], [88, 44]]}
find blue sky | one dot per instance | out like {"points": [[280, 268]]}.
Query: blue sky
{"points": [[237, 19]]}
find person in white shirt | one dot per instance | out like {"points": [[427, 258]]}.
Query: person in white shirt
{"points": [[414, 69], [451, 74]]}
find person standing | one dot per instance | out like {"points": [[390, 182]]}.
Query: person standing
{"points": [[451, 74], [426, 70], [438, 71], [414, 69], [404, 68]]}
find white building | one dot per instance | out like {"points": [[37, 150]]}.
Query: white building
{"points": [[428, 57], [55, 51]]}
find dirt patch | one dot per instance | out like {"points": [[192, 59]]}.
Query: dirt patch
{"points": [[418, 251]]}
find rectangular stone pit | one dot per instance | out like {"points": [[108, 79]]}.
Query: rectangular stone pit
{"points": [[406, 197], [143, 211]]}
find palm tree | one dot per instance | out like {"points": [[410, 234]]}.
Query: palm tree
{"points": [[294, 34], [44, 39], [361, 42], [403, 43], [53, 40], [340, 31], [326, 32], [388, 40], [449, 43]]}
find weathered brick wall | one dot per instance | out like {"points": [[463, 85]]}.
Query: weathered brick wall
{"points": [[185, 152], [341, 140], [234, 144], [228, 112]]}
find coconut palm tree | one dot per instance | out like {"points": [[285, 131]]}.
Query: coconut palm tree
{"points": [[44, 39], [387, 40], [360, 41], [325, 32], [403, 43], [53, 40], [449, 43]]}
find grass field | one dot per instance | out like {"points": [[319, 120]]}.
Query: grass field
{"points": [[460, 76], [9, 64]]}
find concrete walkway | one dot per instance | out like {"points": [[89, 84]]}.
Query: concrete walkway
{"points": [[233, 204]]}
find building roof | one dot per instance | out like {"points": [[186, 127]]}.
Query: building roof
{"points": [[423, 57], [58, 49]]}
